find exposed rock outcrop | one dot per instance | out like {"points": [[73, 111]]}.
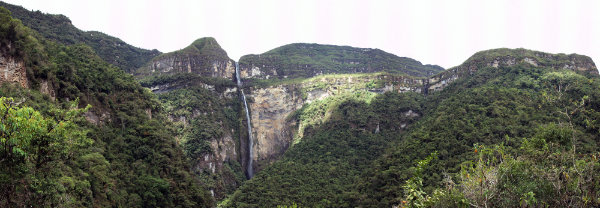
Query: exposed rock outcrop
{"points": [[48, 89], [268, 112], [270, 106], [509, 57], [204, 57], [192, 64], [13, 71]]}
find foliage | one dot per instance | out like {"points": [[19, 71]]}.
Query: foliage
{"points": [[322, 168], [32, 147], [414, 196], [202, 116], [538, 176], [554, 109], [489, 107], [134, 160]]}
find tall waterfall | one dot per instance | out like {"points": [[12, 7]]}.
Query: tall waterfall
{"points": [[250, 142]]}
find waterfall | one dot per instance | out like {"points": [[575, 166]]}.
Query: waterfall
{"points": [[250, 142]]}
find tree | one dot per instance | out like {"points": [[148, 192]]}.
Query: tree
{"points": [[30, 147]]}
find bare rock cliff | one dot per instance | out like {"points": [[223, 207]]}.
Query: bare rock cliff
{"points": [[270, 107], [204, 57], [13, 71]]}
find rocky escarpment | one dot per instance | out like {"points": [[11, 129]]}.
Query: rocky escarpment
{"points": [[203, 57], [308, 60], [195, 85], [270, 106], [273, 96], [509, 57], [13, 71]]}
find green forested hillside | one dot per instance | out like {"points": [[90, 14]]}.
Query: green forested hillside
{"points": [[128, 158], [483, 128], [202, 116], [494, 106], [322, 169], [59, 28]]}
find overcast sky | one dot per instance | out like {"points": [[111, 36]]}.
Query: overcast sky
{"points": [[444, 32]]}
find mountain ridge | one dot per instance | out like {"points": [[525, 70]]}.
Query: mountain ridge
{"points": [[204, 56], [58, 27], [310, 59]]}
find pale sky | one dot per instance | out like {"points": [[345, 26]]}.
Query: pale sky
{"points": [[444, 32]]}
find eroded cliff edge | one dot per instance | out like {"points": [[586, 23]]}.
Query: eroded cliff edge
{"points": [[275, 94], [272, 102], [203, 57]]}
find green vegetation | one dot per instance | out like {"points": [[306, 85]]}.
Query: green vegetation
{"points": [[320, 171], [180, 80], [492, 105], [33, 149], [518, 135], [497, 107], [203, 112], [542, 172], [129, 158], [307, 60], [59, 28], [540, 58]]}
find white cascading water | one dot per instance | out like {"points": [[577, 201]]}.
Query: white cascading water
{"points": [[250, 142]]}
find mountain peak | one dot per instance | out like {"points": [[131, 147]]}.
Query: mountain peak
{"points": [[204, 56]]}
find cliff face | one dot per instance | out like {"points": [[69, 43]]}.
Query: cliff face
{"points": [[204, 57], [13, 71], [271, 130], [271, 106], [276, 90], [204, 111], [192, 64]]}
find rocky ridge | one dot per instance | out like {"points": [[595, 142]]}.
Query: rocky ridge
{"points": [[204, 57], [307, 60]]}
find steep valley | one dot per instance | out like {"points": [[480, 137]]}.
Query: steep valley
{"points": [[331, 126]]}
